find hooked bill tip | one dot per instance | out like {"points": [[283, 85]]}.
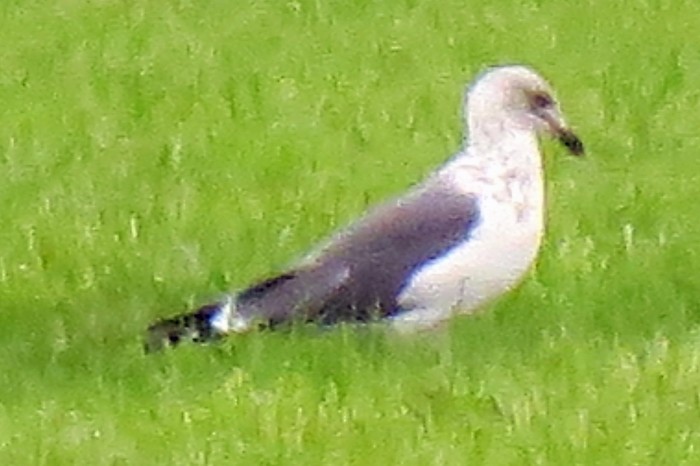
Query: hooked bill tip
{"points": [[571, 142]]}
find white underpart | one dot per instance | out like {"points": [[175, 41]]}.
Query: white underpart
{"points": [[508, 183]]}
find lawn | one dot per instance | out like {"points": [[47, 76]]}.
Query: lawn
{"points": [[156, 154]]}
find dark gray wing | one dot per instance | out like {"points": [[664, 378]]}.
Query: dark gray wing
{"points": [[359, 275]]}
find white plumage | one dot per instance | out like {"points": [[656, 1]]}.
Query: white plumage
{"points": [[465, 235]]}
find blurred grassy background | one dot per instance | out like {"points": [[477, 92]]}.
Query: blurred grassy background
{"points": [[155, 154]]}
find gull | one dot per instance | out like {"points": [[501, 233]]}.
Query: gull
{"points": [[468, 233]]}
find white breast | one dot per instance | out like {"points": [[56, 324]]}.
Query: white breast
{"points": [[492, 260]]}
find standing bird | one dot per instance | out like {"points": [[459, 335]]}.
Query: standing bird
{"points": [[465, 235]]}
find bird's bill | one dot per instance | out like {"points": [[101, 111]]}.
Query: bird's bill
{"points": [[567, 137], [571, 141]]}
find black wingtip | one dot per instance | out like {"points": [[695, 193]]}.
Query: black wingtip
{"points": [[193, 326]]}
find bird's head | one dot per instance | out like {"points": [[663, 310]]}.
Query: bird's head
{"points": [[509, 98]]}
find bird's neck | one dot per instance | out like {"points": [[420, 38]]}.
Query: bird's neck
{"points": [[509, 165], [507, 169], [503, 149]]}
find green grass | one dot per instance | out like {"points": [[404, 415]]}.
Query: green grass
{"points": [[154, 154]]}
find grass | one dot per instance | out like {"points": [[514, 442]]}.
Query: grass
{"points": [[153, 155]]}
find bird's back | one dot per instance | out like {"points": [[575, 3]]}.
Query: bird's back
{"points": [[361, 271]]}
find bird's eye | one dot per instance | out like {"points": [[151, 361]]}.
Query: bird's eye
{"points": [[541, 100]]}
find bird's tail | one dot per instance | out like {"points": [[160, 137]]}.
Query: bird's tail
{"points": [[202, 325]]}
